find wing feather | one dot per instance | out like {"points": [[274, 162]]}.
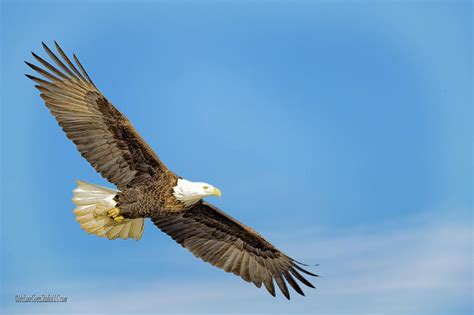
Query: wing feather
{"points": [[268, 282], [292, 282], [217, 238], [83, 70], [68, 61], [282, 285]]}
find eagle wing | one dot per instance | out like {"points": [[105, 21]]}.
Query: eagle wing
{"points": [[102, 134], [217, 238]]}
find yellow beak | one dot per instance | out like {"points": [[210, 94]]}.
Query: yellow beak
{"points": [[216, 192]]}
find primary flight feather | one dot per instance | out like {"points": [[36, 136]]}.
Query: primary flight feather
{"points": [[147, 188]]}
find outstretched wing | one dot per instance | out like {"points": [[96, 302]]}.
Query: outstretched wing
{"points": [[219, 239], [101, 133]]}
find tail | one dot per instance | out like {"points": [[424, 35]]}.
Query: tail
{"points": [[92, 203]]}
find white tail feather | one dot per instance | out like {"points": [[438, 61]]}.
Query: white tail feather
{"points": [[92, 203]]}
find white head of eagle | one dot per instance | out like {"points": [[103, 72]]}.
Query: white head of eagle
{"points": [[191, 192]]}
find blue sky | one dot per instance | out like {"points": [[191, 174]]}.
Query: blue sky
{"points": [[342, 131]]}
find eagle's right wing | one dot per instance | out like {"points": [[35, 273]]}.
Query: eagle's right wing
{"points": [[219, 239], [103, 136]]}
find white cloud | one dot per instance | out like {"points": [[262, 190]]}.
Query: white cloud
{"points": [[406, 268]]}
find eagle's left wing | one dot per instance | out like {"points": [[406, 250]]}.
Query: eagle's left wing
{"points": [[219, 239], [102, 134]]}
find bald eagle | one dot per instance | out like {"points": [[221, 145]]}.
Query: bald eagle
{"points": [[147, 188]]}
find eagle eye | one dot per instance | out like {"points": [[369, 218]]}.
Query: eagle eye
{"points": [[205, 187]]}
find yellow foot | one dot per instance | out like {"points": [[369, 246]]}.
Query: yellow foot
{"points": [[115, 214], [119, 218]]}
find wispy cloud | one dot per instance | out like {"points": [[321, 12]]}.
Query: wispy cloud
{"points": [[407, 268]]}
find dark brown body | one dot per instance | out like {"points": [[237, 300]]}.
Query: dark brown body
{"points": [[153, 198]]}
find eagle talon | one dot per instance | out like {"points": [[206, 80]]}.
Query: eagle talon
{"points": [[119, 218], [113, 213]]}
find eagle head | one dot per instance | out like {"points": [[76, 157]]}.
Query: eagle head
{"points": [[191, 192]]}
